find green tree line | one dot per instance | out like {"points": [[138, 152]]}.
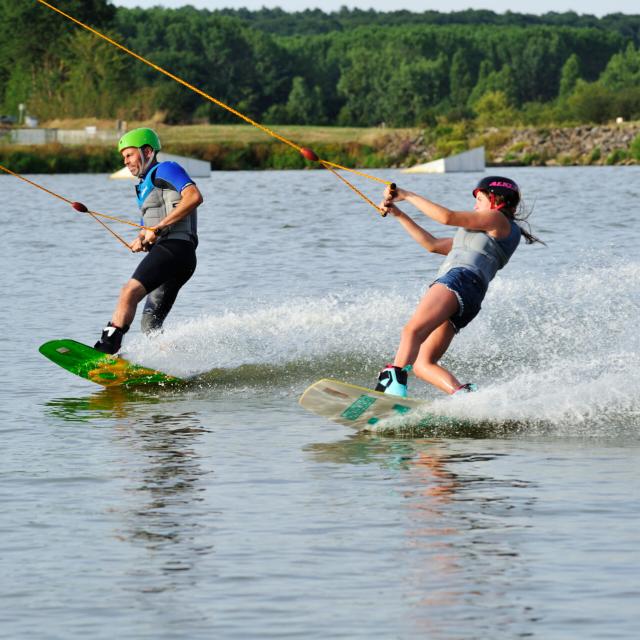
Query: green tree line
{"points": [[351, 67], [316, 21]]}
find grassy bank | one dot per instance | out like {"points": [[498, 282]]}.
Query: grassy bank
{"points": [[238, 147], [302, 135], [56, 158], [226, 147]]}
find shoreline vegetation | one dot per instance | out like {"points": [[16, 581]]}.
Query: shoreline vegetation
{"points": [[242, 147], [361, 88]]}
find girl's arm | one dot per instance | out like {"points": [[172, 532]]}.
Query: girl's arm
{"points": [[420, 235], [490, 221]]}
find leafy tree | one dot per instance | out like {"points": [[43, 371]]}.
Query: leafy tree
{"points": [[90, 79], [634, 148], [626, 103], [30, 31], [273, 70], [33, 37], [543, 113], [623, 69], [591, 102], [276, 114], [460, 82], [359, 81], [569, 76], [491, 81], [304, 105], [494, 109], [244, 69], [536, 65], [414, 90]]}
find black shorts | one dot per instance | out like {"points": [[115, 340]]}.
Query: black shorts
{"points": [[167, 260]]}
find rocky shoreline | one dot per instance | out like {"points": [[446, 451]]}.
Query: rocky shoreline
{"points": [[614, 144], [584, 145]]}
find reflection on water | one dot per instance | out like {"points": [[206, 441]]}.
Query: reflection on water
{"points": [[160, 463], [163, 514], [461, 528], [109, 404]]}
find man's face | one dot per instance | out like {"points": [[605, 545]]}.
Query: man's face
{"points": [[132, 159]]}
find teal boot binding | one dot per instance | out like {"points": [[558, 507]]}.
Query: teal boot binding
{"points": [[393, 380]]}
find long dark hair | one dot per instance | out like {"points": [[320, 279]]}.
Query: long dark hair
{"points": [[519, 214]]}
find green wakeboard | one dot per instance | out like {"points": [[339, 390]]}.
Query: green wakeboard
{"points": [[101, 368], [355, 406]]}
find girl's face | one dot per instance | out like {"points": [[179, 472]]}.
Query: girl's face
{"points": [[483, 203]]}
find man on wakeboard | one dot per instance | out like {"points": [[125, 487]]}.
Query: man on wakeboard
{"points": [[168, 199]]}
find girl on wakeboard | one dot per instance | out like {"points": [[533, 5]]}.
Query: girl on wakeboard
{"points": [[485, 240]]}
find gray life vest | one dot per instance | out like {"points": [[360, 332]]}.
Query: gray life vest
{"points": [[156, 203], [479, 252]]}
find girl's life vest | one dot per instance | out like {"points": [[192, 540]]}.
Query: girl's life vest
{"points": [[479, 252]]}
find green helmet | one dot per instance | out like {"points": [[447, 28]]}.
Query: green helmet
{"points": [[139, 138]]}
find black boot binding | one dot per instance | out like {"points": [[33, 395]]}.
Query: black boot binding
{"points": [[111, 339]]}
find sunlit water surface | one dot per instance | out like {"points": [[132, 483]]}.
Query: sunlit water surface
{"points": [[226, 511]]}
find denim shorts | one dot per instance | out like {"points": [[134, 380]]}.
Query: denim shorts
{"points": [[470, 290]]}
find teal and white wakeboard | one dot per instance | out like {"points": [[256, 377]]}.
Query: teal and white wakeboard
{"points": [[101, 368], [355, 406]]}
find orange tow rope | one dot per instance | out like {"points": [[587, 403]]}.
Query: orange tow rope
{"points": [[78, 206], [304, 151]]}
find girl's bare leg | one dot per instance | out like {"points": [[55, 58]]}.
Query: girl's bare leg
{"points": [[437, 305], [426, 366]]}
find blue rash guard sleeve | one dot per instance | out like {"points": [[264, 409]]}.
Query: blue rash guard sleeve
{"points": [[172, 174]]}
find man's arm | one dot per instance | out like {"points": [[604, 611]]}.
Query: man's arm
{"points": [[191, 198]]}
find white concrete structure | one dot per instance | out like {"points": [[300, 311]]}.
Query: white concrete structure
{"points": [[88, 135], [195, 168], [472, 160], [33, 136]]}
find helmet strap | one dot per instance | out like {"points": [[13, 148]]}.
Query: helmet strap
{"points": [[492, 200], [145, 163]]}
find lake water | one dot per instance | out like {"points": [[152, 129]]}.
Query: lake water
{"points": [[226, 511]]}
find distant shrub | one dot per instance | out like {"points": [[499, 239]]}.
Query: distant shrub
{"points": [[533, 159], [617, 156], [450, 147], [494, 109], [56, 158], [591, 102], [541, 113], [492, 140], [634, 148]]}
